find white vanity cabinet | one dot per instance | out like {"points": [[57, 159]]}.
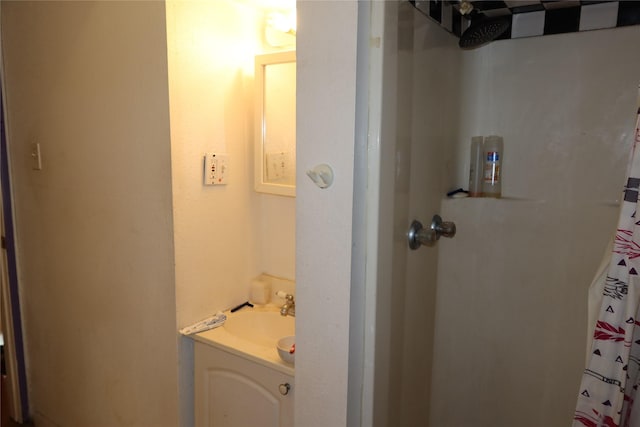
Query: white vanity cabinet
{"points": [[232, 391]]}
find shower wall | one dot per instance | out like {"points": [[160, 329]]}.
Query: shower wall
{"points": [[512, 286], [420, 93]]}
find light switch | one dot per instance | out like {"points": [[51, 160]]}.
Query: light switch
{"points": [[278, 166], [36, 162]]}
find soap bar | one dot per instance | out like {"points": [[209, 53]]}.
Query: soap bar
{"points": [[260, 292]]}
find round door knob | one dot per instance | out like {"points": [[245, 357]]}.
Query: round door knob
{"points": [[419, 235], [443, 228], [284, 388]]}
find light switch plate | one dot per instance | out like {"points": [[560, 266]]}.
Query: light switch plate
{"points": [[278, 166], [36, 156]]}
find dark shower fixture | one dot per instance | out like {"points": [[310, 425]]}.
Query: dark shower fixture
{"points": [[484, 30]]}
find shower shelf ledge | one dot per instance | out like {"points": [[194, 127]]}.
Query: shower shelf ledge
{"points": [[500, 199]]}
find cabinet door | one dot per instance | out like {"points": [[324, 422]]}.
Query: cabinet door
{"points": [[231, 391]]}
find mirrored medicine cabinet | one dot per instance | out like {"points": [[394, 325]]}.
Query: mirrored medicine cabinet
{"points": [[275, 123]]}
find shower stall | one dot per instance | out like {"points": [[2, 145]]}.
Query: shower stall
{"points": [[489, 328]]}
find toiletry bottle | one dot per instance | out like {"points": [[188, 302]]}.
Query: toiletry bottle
{"points": [[476, 167], [493, 161]]}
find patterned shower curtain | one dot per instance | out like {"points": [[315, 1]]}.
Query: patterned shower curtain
{"points": [[610, 382]]}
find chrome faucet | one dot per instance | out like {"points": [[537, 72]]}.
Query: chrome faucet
{"points": [[289, 307]]}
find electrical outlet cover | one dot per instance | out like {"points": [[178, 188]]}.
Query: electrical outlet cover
{"points": [[216, 169]]}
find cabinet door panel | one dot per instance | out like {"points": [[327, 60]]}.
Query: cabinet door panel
{"points": [[231, 391], [238, 401]]}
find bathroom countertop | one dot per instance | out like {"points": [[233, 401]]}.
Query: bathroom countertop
{"points": [[223, 340]]}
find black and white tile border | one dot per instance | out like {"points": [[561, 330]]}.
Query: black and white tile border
{"points": [[536, 18]]}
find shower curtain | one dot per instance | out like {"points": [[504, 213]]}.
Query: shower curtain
{"points": [[611, 379]]}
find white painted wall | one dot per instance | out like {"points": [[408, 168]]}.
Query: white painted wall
{"points": [[326, 91], [512, 286], [210, 47], [326, 55], [225, 235], [93, 90], [88, 81]]}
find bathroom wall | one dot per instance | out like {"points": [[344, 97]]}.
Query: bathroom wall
{"points": [[88, 81], [224, 235], [512, 285], [327, 93]]}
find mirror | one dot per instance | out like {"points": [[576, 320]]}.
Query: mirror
{"points": [[275, 149]]}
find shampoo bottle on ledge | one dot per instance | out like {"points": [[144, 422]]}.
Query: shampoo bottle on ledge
{"points": [[476, 167], [493, 161]]}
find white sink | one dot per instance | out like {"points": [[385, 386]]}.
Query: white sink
{"points": [[259, 326]]}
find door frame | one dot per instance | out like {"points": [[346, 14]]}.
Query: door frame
{"points": [[367, 372], [10, 296]]}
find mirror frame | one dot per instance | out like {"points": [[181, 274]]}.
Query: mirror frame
{"points": [[262, 186]]}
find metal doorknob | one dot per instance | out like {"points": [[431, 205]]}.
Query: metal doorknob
{"points": [[418, 235], [443, 228], [284, 388]]}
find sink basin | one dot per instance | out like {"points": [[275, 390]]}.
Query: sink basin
{"points": [[262, 327]]}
